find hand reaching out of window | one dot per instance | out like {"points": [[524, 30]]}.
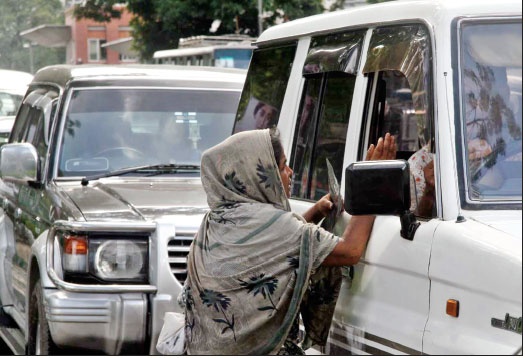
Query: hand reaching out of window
{"points": [[384, 150]]}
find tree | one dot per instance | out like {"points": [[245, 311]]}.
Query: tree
{"points": [[160, 24], [19, 15]]}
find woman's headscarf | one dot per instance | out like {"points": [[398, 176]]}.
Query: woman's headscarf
{"points": [[250, 263]]}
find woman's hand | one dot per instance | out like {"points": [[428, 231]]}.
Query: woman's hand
{"points": [[384, 150], [319, 210], [324, 205]]}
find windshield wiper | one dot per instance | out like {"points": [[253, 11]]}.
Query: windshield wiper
{"points": [[158, 168]]}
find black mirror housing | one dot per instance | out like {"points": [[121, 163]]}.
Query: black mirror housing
{"points": [[381, 188], [377, 188]]}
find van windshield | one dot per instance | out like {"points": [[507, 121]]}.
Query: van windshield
{"points": [[109, 129], [491, 101]]}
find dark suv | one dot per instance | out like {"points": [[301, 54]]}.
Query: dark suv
{"points": [[101, 197]]}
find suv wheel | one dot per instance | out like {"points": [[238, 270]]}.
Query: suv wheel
{"points": [[40, 341]]}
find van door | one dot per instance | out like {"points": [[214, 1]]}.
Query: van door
{"points": [[384, 301], [476, 303]]}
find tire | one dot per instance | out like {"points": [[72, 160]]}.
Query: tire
{"points": [[40, 341]]}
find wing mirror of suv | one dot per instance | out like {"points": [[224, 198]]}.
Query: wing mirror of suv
{"points": [[381, 188], [19, 162]]}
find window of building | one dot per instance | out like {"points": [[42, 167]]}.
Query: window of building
{"points": [[95, 50]]}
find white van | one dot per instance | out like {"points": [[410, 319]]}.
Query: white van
{"points": [[445, 76]]}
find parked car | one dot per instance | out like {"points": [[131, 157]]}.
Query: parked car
{"points": [[13, 86], [101, 197], [6, 124], [436, 74]]}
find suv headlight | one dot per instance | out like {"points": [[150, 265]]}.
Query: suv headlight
{"points": [[101, 258], [119, 259]]}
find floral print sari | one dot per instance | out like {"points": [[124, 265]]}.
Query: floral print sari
{"points": [[252, 259]]}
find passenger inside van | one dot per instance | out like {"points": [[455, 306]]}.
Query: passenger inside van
{"points": [[489, 125]]}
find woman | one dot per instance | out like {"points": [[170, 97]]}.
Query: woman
{"points": [[250, 263]]}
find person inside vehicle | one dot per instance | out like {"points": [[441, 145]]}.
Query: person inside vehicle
{"points": [[489, 124], [421, 165], [251, 262], [264, 115]]}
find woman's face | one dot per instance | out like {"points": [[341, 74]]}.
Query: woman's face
{"points": [[286, 175], [264, 116]]}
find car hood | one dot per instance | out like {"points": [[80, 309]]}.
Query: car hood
{"points": [[137, 200]]}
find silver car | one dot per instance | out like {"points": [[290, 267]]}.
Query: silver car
{"points": [[101, 198]]}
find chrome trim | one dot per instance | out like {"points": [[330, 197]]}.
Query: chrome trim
{"points": [[93, 226], [104, 226]]}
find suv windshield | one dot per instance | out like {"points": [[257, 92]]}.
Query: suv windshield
{"points": [[108, 129], [491, 100]]}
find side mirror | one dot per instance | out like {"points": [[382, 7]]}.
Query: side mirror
{"points": [[381, 188], [19, 162]]}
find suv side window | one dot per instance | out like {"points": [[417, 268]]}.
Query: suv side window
{"points": [[37, 110], [321, 127], [264, 90], [18, 133], [398, 101]]}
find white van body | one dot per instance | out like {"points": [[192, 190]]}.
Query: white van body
{"points": [[469, 250]]}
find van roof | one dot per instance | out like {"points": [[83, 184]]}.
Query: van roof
{"points": [[62, 74], [431, 11]]}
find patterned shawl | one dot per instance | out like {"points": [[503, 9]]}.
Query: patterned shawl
{"points": [[250, 263]]}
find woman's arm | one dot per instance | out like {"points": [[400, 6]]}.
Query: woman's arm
{"points": [[348, 251]]}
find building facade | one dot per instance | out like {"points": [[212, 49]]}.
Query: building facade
{"points": [[87, 41]]}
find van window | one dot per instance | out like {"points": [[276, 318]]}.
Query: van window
{"points": [[264, 90], [491, 101], [321, 131], [398, 101], [335, 52]]}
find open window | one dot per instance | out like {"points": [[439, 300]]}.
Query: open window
{"points": [[321, 128], [398, 101]]}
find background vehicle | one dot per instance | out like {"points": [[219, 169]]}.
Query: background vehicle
{"points": [[13, 86], [231, 51], [6, 123], [453, 284], [101, 197]]}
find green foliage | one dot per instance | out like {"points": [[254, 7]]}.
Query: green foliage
{"points": [[376, 1], [101, 11], [160, 24], [20, 15]]}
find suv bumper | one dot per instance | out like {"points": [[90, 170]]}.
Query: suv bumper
{"points": [[114, 319], [114, 323]]}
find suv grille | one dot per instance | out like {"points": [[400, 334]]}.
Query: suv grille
{"points": [[178, 248]]}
